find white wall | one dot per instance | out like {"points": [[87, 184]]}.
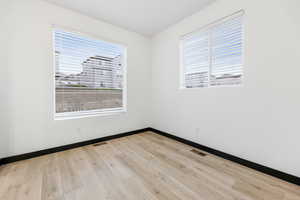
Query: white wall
{"points": [[5, 11], [259, 121], [27, 85]]}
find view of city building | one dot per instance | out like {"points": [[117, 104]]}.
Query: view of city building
{"points": [[97, 72], [200, 79]]}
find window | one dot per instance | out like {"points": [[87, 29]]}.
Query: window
{"points": [[213, 56], [89, 76]]}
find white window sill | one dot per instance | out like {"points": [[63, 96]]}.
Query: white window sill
{"points": [[91, 113]]}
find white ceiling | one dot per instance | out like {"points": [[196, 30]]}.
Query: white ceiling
{"points": [[146, 17]]}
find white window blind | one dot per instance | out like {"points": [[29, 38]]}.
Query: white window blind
{"points": [[89, 75], [196, 60], [214, 56]]}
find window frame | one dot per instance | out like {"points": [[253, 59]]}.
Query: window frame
{"points": [[96, 112], [208, 27]]}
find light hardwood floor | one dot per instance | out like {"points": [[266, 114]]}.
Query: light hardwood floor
{"points": [[146, 166]]}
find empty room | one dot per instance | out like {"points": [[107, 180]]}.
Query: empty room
{"points": [[149, 100]]}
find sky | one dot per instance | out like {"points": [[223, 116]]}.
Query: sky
{"points": [[75, 49]]}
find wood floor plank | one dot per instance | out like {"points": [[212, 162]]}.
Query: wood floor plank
{"points": [[195, 180], [150, 167], [208, 179], [145, 166], [232, 169]]}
